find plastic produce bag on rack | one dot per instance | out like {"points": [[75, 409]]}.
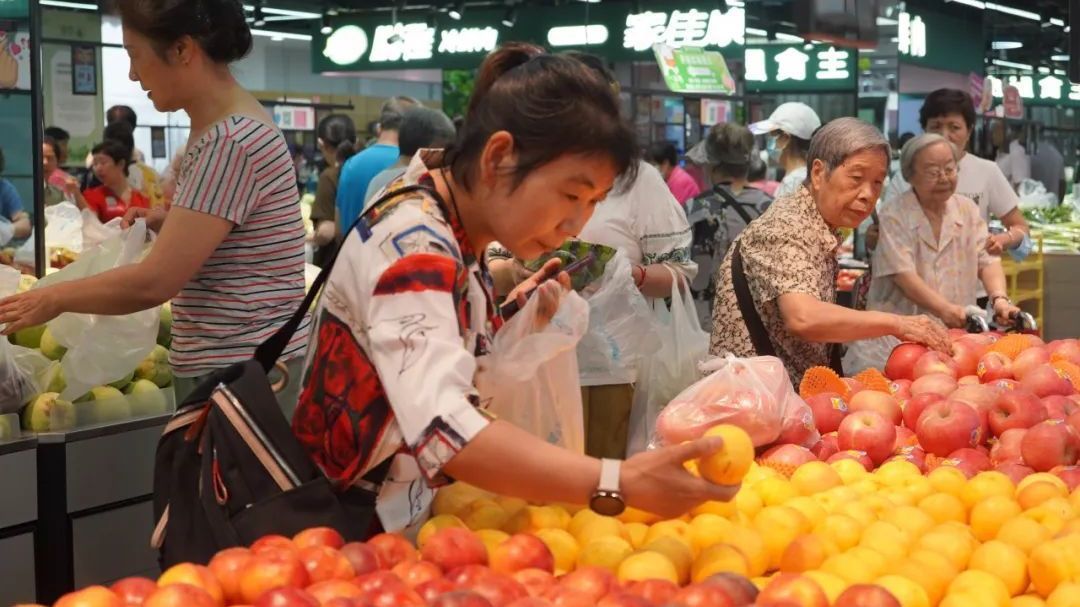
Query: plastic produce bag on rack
{"points": [[752, 393], [17, 365], [672, 367], [530, 378], [102, 349], [621, 326]]}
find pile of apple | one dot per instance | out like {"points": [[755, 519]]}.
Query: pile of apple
{"points": [[978, 410]]}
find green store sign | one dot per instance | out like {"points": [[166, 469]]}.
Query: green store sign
{"points": [[940, 41], [14, 9], [612, 30], [800, 68], [1038, 89]]}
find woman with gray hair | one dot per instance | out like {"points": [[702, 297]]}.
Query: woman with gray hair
{"points": [[931, 253], [778, 281]]}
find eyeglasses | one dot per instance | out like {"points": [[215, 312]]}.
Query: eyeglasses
{"points": [[935, 173]]}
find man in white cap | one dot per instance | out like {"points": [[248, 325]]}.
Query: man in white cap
{"points": [[791, 126]]}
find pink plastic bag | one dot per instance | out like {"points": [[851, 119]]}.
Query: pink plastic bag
{"points": [[752, 393]]}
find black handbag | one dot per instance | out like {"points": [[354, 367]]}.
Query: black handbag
{"points": [[228, 469]]}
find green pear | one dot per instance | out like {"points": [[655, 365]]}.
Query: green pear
{"points": [[50, 347], [155, 367], [123, 382], [146, 398], [48, 413], [164, 336], [29, 337], [102, 404]]}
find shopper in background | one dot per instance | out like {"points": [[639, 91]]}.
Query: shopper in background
{"points": [[50, 151], [114, 196], [230, 250], [124, 115], [758, 176], [1012, 156], [722, 212], [1048, 166], [950, 113], [665, 158], [789, 127], [142, 177], [784, 264], [337, 141], [358, 171], [14, 221], [421, 128], [54, 174], [543, 144]]}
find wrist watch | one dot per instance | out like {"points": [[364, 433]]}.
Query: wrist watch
{"points": [[995, 298], [607, 500]]}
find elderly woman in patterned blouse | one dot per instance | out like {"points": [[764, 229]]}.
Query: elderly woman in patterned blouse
{"points": [[778, 281]]}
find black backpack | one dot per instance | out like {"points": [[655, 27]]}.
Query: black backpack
{"points": [[228, 469]]}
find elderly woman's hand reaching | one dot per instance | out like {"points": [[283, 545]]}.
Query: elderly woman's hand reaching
{"points": [[924, 330]]}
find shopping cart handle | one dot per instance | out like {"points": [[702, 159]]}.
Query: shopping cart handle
{"points": [[1024, 322], [977, 324]]}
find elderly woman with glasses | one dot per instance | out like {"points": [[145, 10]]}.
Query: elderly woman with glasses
{"points": [[931, 254], [778, 281]]}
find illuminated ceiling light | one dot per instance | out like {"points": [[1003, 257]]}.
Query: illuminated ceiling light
{"points": [[280, 35], [457, 11], [326, 27], [577, 35], [1059, 57], [1008, 10], [83, 6], [979, 4], [510, 18], [1006, 45], [1004, 63]]}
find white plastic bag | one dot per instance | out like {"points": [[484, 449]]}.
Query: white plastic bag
{"points": [[63, 227], [94, 232], [101, 348], [17, 365], [530, 377], [752, 393], [673, 366], [868, 353], [621, 328]]}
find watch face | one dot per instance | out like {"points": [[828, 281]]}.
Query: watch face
{"points": [[607, 504]]}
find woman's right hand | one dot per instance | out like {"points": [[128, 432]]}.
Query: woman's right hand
{"points": [[924, 330], [656, 481], [155, 218]]}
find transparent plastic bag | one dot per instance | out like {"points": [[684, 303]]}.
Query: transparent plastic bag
{"points": [[752, 393], [672, 367], [621, 328], [64, 227], [530, 377], [101, 348], [868, 353], [17, 365], [94, 232]]}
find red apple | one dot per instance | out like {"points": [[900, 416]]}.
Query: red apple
{"points": [[978, 460], [363, 558], [272, 542], [537, 582], [392, 549], [798, 429], [594, 581], [1026, 362], [741, 590], [702, 595], [966, 355], [396, 597], [901, 363], [870, 432], [1016, 471], [195, 575], [530, 601], [460, 598], [901, 389], [1045, 380], [415, 573], [226, 567], [1074, 421], [325, 563], [377, 581], [905, 437], [1007, 447], [659, 592], [133, 591], [1016, 409], [826, 447], [829, 409], [623, 599], [1059, 407], [793, 587], [994, 366], [466, 576], [1067, 348], [786, 458], [859, 456], [915, 407], [498, 588], [866, 595], [938, 383], [174, 595], [978, 396], [947, 426], [268, 570], [1034, 341], [287, 597], [453, 547], [568, 597], [854, 386], [968, 380], [1069, 474], [429, 590], [319, 536], [1048, 444], [913, 455], [334, 589], [935, 363], [522, 551], [885, 404]]}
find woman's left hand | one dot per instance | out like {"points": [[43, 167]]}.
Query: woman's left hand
{"points": [[29, 309], [1004, 311], [998, 243]]}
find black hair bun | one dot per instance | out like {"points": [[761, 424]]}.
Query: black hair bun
{"points": [[229, 37]]}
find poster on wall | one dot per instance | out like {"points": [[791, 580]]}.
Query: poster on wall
{"points": [[83, 69], [693, 70], [14, 57]]}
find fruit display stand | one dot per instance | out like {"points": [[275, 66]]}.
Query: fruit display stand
{"points": [[18, 516], [95, 487]]}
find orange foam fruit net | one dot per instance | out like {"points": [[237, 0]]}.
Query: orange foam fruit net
{"points": [[874, 380], [817, 380], [1010, 345]]}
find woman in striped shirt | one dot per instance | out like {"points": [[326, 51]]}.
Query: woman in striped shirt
{"points": [[230, 250]]}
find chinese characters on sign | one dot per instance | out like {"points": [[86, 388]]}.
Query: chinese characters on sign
{"points": [[694, 70], [1046, 88], [416, 42], [770, 66], [912, 35], [684, 28]]}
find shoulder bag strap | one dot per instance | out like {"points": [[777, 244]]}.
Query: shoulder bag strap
{"points": [[734, 204], [759, 337], [270, 350]]}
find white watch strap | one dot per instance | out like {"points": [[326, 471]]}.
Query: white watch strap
{"points": [[609, 475]]}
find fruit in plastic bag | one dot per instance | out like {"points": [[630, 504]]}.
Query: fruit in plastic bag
{"points": [[29, 337], [164, 336], [9, 427], [123, 382], [50, 347], [146, 398], [102, 404], [48, 413], [155, 368]]}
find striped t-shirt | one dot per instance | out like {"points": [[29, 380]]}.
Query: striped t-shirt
{"points": [[240, 170]]}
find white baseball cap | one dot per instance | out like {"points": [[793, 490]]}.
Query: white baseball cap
{"points": [[794, 118]]}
